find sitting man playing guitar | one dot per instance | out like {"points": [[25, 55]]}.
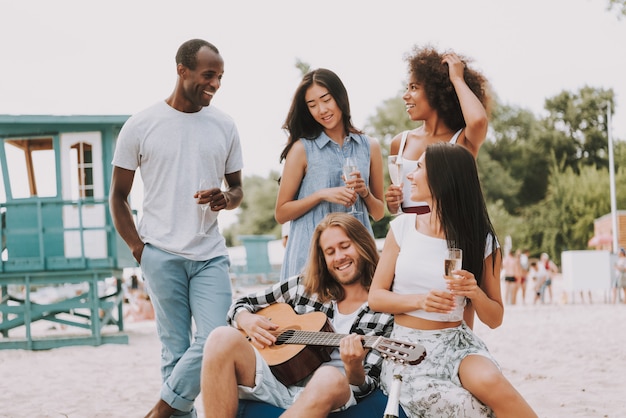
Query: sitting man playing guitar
{"points": [[243, 361]]}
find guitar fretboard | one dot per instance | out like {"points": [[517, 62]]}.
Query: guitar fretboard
{"points": [[326, 339]]}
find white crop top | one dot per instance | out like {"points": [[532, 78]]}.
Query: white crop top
{"points": [[419, 267], [408, 166]]}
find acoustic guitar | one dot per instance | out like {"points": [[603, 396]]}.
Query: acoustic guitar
{"points": [[304, 342]]}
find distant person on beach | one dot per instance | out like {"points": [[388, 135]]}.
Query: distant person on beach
{"points": [[336, 281], [139, 308], [177, 143], [538, 277], [511, 269], [620, 277], [459, 377], [549, 270], [524, 266], [321, 135], [452, 101]]}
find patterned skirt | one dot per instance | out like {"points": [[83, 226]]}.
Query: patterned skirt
{"points": [[433, 388]]}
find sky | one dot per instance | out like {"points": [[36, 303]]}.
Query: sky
{"points": [[117, 57]]}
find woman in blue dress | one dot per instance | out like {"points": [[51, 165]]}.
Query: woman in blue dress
{"points": [[321, 135]]}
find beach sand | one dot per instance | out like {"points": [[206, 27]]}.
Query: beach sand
{"points": [[567, 360]]}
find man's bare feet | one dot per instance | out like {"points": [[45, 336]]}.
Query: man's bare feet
{"points": [[161, 410]]}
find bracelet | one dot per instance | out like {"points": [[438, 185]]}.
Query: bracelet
{"points": [[367, 195]]}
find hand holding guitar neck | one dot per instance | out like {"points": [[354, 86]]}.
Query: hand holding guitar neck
{"points": [[303, 342]]}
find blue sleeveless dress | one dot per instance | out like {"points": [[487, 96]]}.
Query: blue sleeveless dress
{"points": [[324, 161]]}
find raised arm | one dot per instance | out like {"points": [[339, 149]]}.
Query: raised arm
{"points": [[474, 113]]}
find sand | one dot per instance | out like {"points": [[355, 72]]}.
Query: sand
{"points": [[567, 360]]}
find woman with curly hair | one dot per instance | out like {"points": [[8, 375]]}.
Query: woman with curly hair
{"points": [[452, 101]]}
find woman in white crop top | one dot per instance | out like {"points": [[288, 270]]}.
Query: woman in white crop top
{"points": [[458, 377], [452, 101]]}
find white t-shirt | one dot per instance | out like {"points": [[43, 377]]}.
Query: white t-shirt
{"points": [[420, 266], [173, 151], [342, 324]]}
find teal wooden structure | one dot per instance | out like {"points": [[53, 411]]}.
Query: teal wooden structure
{"points": [[258, 268], [57, 230], [257, 253]]}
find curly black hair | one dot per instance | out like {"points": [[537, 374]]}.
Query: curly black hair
{"points": [[425, 64]]}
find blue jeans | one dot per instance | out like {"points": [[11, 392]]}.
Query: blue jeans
{"points": [[185, 291]]}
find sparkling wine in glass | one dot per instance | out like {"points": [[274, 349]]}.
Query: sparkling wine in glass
{"points": [[349, 166], [453, 261], [395, 169], [203, 185]]}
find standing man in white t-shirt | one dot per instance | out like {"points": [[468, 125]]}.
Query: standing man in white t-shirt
{"points": [[177, 143]]}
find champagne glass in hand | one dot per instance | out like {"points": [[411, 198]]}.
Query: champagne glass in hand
{"points": [[203, 185], [453, 261], [349, 165], [395, 169]]}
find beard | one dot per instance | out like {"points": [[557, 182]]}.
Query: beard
{"points": [[355, 279], [348, 280]]}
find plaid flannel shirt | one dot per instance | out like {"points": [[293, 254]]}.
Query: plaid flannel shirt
{"points": [[367, 322]]}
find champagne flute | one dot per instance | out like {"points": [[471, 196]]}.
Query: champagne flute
{"points": [[394, 163], [349, 165], [453, 261], [203, 185]]}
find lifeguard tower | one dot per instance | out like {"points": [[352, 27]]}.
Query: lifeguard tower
{"points": [[57, 231]]}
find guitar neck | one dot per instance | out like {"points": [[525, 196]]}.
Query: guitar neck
{"points": [[326, 339]]}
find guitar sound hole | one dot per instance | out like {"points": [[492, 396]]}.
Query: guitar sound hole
{"points": [[284, 337]]}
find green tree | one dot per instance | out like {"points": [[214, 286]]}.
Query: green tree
{"points": [[506, 224], [578, 126], [521, 168], [256, 212], [303, 67], [564, 221], [497, 183]]}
